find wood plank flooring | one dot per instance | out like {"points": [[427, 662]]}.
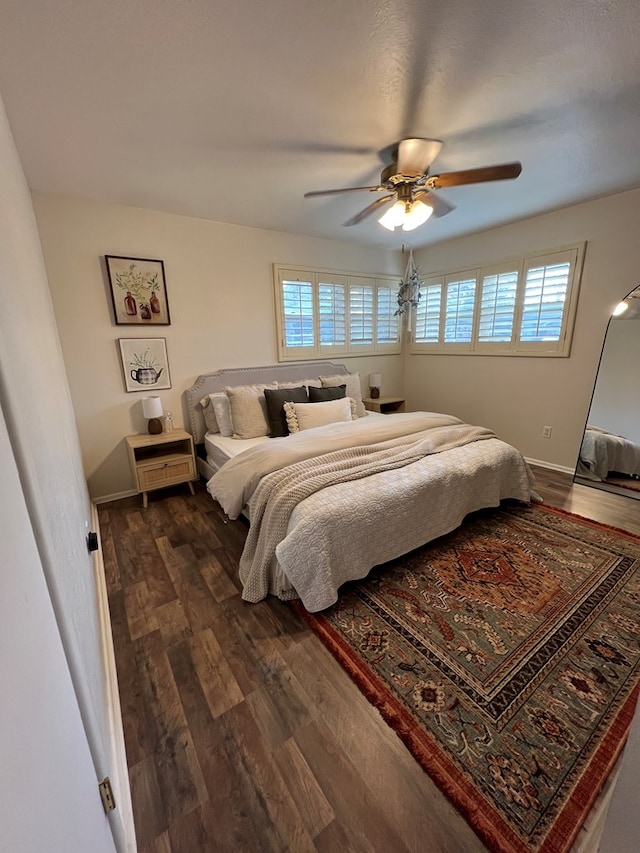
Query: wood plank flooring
{"points": [[242, 732]]}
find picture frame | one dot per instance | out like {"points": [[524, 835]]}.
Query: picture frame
{"points": [[138, 291], [145, 364]]}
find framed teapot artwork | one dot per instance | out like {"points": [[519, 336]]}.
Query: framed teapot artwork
{"points": [[144, 363]]}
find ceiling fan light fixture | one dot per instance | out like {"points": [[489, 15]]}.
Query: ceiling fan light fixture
{"points": [[416, 214], [406, 214], [394, 216]]}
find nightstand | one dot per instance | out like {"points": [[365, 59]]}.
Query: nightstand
{"points": [[161, 460], [384, 405]]}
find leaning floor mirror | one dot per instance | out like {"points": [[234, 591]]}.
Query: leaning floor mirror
{"points": [[610, 450]]}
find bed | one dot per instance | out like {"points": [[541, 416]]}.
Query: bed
{"points": [[327, 504], [603, 452]]}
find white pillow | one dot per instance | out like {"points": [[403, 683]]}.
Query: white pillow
{"points": [[217, 414], [352, 381], [249, 410], [302, 416], [220, 403], [209, 414]]}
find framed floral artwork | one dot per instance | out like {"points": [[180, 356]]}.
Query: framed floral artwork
{"points": [[144, 363], [138, 291]]}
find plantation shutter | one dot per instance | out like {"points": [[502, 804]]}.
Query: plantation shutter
{"points": [[332, 313], [387, 324], [360, 315], [427, 327], [521, 306], [459, 310], [544, 315], [497, 307], [298, 329]]}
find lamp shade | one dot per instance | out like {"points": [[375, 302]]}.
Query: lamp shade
{"points": [[152, 407], [416, 215], [394, 216]]}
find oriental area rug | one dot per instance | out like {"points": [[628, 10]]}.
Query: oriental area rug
{"points": [[506, 655]]}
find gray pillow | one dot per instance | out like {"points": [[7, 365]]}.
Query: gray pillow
{"points": [[321, 395], [275, 407]]}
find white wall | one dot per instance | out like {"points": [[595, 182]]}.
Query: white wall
{"points": [[45, 568], [220, 293], [516, 396], [48, 788], [616, 398]]}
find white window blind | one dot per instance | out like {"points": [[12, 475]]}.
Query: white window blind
{"points": [[361, 314], [459, 308], [544, 298], [517, 307], [428, 313], [497, 307], [297, 297], [387, 326], [332, 313]]}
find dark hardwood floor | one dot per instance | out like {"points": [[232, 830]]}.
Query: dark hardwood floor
{"points": [[242, 732]]}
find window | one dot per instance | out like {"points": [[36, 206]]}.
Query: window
{"points": [[298, 313], [326, 313], [519, 307]]}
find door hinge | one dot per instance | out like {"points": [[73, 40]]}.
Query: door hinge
{"points": [[106, 795]]}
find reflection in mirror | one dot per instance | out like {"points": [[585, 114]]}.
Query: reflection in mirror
{"points": [[610, 450]]}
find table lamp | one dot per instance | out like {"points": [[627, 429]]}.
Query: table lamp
{"points": [[152, 410], [375, 383]]}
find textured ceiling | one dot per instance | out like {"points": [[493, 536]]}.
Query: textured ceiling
{"points": [[231, 111]]}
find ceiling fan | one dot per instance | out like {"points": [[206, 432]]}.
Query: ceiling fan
{"points": [[409, 185]]}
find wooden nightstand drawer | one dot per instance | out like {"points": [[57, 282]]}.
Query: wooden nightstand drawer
{"points": [[166, 473]]}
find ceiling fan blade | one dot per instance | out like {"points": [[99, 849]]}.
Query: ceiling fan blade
{"points": [[416, 155], [369, 210], [502, 172], [439, 205], [345, 190]]}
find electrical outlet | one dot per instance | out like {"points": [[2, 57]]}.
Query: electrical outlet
{"points": [[546, 432]]}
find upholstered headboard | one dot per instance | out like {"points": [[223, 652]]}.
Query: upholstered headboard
{"points": [[209, 383]]}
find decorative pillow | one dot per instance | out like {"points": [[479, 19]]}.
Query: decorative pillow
{"points": [[209, 414], [220, 403], [248, 410], [217, 415], [275, 407], [352, 381], [302, 416], [321, 395]]}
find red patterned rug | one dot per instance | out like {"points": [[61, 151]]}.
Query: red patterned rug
{"points": [[506, 655]]}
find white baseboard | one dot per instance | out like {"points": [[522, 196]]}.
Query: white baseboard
{"points": [[552, 466], [119, 772], [103, 499]]}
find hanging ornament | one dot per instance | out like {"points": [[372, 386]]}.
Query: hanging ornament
{"points": [[409, 292]]}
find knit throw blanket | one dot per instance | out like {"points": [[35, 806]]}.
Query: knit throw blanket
{"points": [[280, 492]]}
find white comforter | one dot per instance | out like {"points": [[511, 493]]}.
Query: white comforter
{"points": [[602, 451], [340, 532]]}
